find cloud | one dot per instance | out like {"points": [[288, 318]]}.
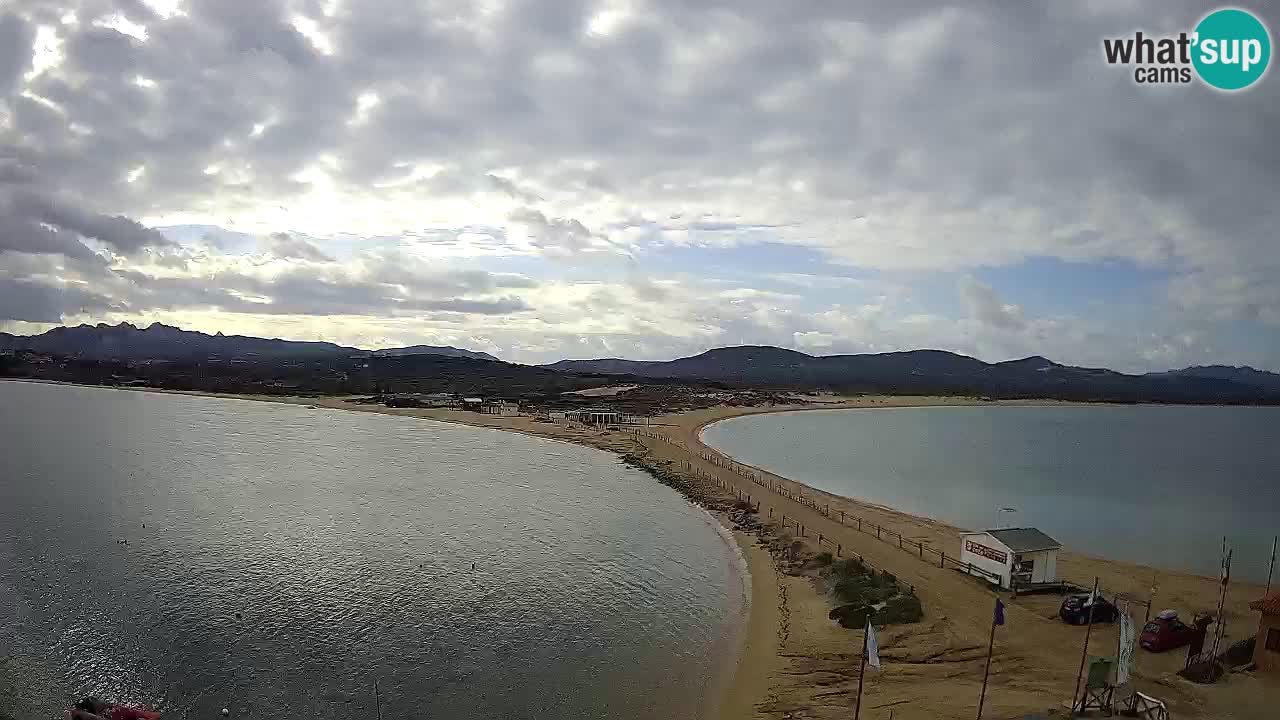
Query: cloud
{"points": [[284, 245], [16, 38], [576, 142], [987, 307], [30, 222]]}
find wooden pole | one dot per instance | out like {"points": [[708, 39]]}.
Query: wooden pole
{"points": [[377, 699], [857, 708], [1084, 654], [991, 644]]}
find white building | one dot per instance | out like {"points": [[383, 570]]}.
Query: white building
{"points": [[1017, 556]]}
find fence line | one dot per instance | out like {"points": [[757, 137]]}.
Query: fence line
{"points": [[845, 519], [884, 534]]}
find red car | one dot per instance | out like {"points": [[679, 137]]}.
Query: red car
{"points": [[1166, 632]]}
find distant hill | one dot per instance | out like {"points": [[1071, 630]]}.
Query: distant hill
{"points": [[164, 342], [1244, 375], [157, 341], [942, 372], [443, 350], [611, 366]]}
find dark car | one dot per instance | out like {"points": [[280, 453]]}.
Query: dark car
{"points": [[1075, 610], [1166, 632]]}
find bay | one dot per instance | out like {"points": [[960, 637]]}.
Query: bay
{"points": [[197, 553], [1156, 485]]}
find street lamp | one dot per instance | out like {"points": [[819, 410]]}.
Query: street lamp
{"points": [[999, 512]]}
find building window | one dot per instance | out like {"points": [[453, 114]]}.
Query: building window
{"points": [[1273, 639]]}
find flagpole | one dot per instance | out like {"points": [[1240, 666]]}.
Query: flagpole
{"points": [[857, 709], [991, 644], [1271, 568], [1084, 654]]}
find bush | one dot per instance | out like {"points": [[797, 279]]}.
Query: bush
{"points": [[862, 589], [889, 578], [853, 615], [851, 567], [902, 609], [823, 558]]}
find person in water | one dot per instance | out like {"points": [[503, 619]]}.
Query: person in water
{"points": [[92, 708]]}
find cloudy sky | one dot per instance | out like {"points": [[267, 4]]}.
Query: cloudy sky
{"points": [[642, 178]]}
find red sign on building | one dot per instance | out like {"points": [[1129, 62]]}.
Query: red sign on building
{"points": [[986, 552]]}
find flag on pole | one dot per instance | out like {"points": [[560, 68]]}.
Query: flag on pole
{"points": [[1127, 642], [999, 616], [873, 649]]}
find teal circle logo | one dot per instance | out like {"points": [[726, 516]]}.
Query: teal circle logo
{"points": [[1231, 49]]}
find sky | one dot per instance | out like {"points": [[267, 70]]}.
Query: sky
{"points": [[637, 178]]}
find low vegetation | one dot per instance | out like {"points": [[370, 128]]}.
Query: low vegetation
{"points": [[863, 592]]}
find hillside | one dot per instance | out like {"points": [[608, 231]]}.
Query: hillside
{"points": [[164, 342], [441, 350], [942, 372]]}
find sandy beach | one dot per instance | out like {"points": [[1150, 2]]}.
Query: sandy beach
{"points": [[797, 663]]}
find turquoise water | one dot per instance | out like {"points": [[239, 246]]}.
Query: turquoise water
{"points": [[293, 557], [1150, 484]]}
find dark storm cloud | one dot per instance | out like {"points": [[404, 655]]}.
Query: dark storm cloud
{"points": [[37, 302], [16, 37]]}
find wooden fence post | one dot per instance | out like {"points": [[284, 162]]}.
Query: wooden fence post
{"points": [[942, 561], [838, 549]]}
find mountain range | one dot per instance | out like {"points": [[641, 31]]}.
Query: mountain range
{"points": [[165, 342], [942, 372], [912, 372]]}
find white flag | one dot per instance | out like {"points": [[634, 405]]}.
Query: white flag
{"points": [[1124, 662], [873, 650]]}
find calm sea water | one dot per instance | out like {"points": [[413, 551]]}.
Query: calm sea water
{"points": [[1149, 484], [293, 557]]}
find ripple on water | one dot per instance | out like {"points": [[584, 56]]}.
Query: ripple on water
{"points": [[292, 557]]}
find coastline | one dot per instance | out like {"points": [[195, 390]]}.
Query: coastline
{"points": [[792, 658]]}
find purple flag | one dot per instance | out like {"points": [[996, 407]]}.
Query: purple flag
{"points": [[999, 618]]}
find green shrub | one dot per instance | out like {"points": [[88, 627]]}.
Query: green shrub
{"points": [[850, 567], [901, 609], [862, 589], [823, 558], [853, 615]]}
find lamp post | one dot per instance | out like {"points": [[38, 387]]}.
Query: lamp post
{"points": [[999, 511]]}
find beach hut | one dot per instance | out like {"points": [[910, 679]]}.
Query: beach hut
{"points": [[596, 416], [1266, 653], [1011, 557]]}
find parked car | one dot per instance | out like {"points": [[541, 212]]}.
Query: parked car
{"points": [[1075, 610], [1166, 632]]}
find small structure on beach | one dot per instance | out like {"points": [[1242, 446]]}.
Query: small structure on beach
{"points": [[472, 403], [1011, 557], [1266, 653], [595, 416], [500, 407]]}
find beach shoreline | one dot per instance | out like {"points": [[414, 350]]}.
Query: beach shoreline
{"points": [[794, 658]]}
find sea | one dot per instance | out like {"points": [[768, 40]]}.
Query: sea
{"points": [[1166, 486], [198, 553]]}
